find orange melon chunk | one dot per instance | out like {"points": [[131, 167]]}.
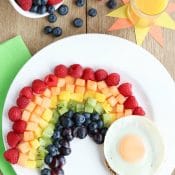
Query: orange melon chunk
{"points": [[128, 112], [69, 80], [31, 126], [80, 89], [38, 110], [38, 100], [119, 108], [106, 92], [28, 135], [34, 118], [112, 101], [119, 115], [114, 90], [61, 82], [30, 107], [120, 99], [47, 93], [24, 147], [70, 88], [25, 115], [22, 159], [55, 91], [92, 85], [80, 82], [101, 85], [46, 102]]}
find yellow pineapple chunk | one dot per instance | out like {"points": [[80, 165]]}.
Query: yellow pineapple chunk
{"points": [[32, 154], [100, 97], [38, 132], [54, 101], [31, 164], [70, 88], [64, 95], [77, 97], [47, 115], [34, 143]]}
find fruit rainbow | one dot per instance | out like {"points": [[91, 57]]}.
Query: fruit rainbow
{"points": [[71, 102]]}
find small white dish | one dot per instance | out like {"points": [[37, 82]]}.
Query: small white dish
{"points": [[28, 13]]}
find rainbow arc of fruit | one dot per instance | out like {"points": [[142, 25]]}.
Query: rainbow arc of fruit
{"points": [[40, 106]]}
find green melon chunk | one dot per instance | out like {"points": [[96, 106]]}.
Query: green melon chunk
{"points": [[89, 109], [55, 117], [107, 119], [41, 153], [91, 102], [80, 108], [45, 141], [72, 105], [98, 108], [39, 163], [48, 131]]}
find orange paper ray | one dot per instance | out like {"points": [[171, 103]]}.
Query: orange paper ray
{"points": [[171, 7], [121, 24], [125, 1], [156, 33]]}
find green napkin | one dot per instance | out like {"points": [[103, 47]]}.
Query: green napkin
{"points": [[13, 55]]}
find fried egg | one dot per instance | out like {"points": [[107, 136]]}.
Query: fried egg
{"points": [[133, 146]]}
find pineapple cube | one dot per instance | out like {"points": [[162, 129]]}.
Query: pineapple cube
{"points": [[32, 154], [43, 123], [70, 88], [34, 143], [28, 135], [54, 101], [80, 89], [112, 101], [61, 82], [100, 97], [89, 94], [22, 159], [128, 112], [107, 107], [38, 132], [30, 107], [38, 110], [120, 99], [69, 80], [47, 115], [92, 85], [80, 82], [46, 102], [101, 85], [114, 90], [64, 95], [31, 126], [106, 92], [77, 97], [38, 100], [47, 93], [119, 108], [31, 164], [34, 118], [25, 115], [24, 147], [55, 91]]}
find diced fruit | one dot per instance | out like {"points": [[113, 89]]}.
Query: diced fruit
{"points": [[62, 110], [61, 82], [34, 144], [108, 119], [38, 86], [72, 105], [31, 126], [128, 112], [91, 102], [38, 132], [54, 101], [80, 89], [25, 4], [139, 111], [30, 107], [64, 95], [106, 92], [120, 99], [131, 103], [100, 97], [80, 108], [35, 118], [88, 74], [77, 97], [22, 102], [119, 108], [51, 80], [107, 107], [45, 141], [14, 113], [125, 89], [114, 90], [12, 155], [38, 110], [48, 131], [31, 164], [70, 88], [100, 75], [55, 91], [92, 85], [25, 115], [32, 154], [46, 102], [22, 159], [113, 79], [119, 115], [55, 117], [112, 101], [39, 163], [47, 115], [101, 85], [13, 139], [61, 71], [26, 92], [47, 93], [89, 94], [19, 126], [75, 71], [98, 108], [38, 100], [69, 80], [41, 152], [24, 147], [43, 123], [89, 109], [80, 82], [28, 135]]}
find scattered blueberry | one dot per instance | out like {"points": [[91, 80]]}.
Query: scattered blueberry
{"points": [[92, 12], [53, 150], [63, 10], [111, 4], [45, 171], [52, 18], [80, 3], [78, 22], [47, 30], [42, 9], [98, 138], [34, 9], [65, 151], [57, 31], [95, 116], [50, 9], [48, 159]]}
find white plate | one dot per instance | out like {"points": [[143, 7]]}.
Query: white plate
{"points": [[153, 86]]}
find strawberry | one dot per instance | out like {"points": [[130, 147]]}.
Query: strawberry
{"points": [[38, 86], [51, 80], [53, 2], [88, 74], [101, 74], [22, 102], [19, 126], [113, 79], [75, 71], [25, 4], [125, 89], [14, 113], [12, 155], [139, 111], [130, 103], [13, 139], [61, 71], [26, 92]]}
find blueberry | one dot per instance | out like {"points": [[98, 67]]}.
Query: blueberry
{"points": [[45, 171], [67, 122], [92, 12], [64, 143], [67, 134], [56, 135], [87, 115], [57, 31], [65, 151], [98, 138], [34, 9], [62, 160], [48, 159], [57, 143], [59, 127], [95, 116], [63, 10], [103, 131], [87, 122], [42, 9], [58, 171], [52, 18], [111, 4], [100, 124], [44, 2], [78, 22], [37, 2], [92, 126], [81, 132], [47, 30], [79, 119], [50, 9], [55, 163], [69, 114], [92, 133], [53, 150], [80, 3]]}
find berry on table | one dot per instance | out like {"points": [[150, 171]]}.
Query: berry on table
{"points": [[111, 4], [50, 9], [80, 3], [47, 29], [57, 31], [92, 12], [52, 18], [78, 22], [63, 10]]}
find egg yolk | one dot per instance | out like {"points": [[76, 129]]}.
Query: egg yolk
{"points": [[131, 148]]}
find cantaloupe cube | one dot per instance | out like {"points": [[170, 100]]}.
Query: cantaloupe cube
{"points": [[106, 106], [30, 107], [54, 102], [100, 97], [69, 80], [22, 159], [80, 89], [25, 115], [47, 115], [114, 90], [61, 82], [120, 99], [43, 124], [119, 108], [31, 126], [35, 118], [80, 82], [24, 147], [119, 115], [38, 100], [92, 85], [46, 102], [128, 112], [106, 92], [38, 132], [70, 88], [89, 94], [55, 91], [38, 110], [101, 85], [47, 93], [77, 97], [34, 144], [31, 164], [28, 135], [112, 101], [64, 95]]}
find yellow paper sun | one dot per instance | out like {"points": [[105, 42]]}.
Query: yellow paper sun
{"points": [[164, 20]]}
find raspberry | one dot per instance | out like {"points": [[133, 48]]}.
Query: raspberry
{"points": [[12, 155], [19, 126], [14, 113], [53, 2], [51, 80], [38, 86], [25, 4], [13, 139], [75, 71], [61, 71], [113, 79], [139, 111], [125, 89], [26, 92], [88, 74], [22, 102], [130, 103], [100, 75]]}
